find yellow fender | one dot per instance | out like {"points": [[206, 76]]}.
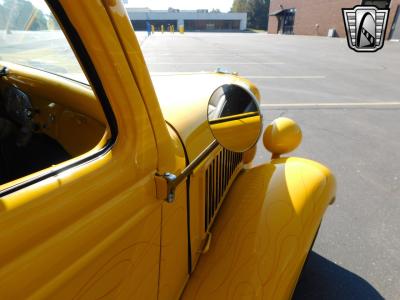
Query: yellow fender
{"points": [[264, 232]]}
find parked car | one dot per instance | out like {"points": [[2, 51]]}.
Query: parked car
{"points": [[115, 184]]}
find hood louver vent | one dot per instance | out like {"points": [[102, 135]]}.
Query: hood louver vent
{"points": [[218, 178]]}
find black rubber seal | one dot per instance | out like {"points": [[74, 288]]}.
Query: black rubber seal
{"points": [[187, 199]]}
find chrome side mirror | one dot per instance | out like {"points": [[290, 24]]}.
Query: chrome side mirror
{"points": [[234, 117]]}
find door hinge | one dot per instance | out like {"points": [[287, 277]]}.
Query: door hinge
{"points": [[165, 186]]}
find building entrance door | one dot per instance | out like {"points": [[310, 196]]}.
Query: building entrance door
{"points": [[286, 22], [381, 4], [395, 33]]}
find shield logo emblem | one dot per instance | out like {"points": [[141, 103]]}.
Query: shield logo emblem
{"points": [[365, 27]]}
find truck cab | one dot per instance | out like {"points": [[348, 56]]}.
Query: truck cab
{"points": [[116, 184]]}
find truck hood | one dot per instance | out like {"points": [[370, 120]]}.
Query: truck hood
{"points": [[184, 97]]}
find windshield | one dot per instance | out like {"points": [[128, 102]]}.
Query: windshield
{"points": [[31, 36]]}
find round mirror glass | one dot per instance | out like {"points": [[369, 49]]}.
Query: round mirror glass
{"points": [[234, 117]]}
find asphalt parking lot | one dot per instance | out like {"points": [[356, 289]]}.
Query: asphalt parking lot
{"points": [[348, 105]]}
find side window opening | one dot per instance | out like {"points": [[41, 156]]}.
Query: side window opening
{"points": [[24, 147], [48, 112]]}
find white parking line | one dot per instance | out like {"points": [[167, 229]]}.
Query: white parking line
{"points": [[215, 63], [284, 77], [187, 54], [331, 104]]}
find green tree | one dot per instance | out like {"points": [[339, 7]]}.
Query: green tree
{"points": [[257, 12], [239, 6], [22, 15]]}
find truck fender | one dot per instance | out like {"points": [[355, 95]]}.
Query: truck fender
{"points": [[264, 232]]}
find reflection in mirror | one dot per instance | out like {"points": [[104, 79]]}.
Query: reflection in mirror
{"points": [[234, 118]]}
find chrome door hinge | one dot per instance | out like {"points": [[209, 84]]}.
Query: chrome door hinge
{"points": [[166, 185]]}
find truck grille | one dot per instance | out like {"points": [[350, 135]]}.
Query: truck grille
{"points": [[218, 178]]}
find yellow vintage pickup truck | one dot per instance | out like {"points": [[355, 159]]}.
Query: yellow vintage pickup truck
{"points": [[115, 184]]}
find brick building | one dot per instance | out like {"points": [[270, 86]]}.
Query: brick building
{"points": [[317, 17]]}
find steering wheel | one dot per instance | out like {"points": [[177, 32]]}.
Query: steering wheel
{"points": [[19, 110]]}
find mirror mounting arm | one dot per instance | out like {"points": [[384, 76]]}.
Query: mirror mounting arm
{"points": [[167, 183]]}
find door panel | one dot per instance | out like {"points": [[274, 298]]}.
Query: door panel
{"points": [[93, 230], [78, 236], [127, 269], [288, 22]]}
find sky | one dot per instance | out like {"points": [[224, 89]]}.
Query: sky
{"points": [[223, 5]]}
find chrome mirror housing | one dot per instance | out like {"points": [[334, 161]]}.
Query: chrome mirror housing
{"points": [[234, 117]]}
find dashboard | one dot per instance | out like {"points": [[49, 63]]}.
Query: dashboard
{"points": [[45, 120], [34, 102]]}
